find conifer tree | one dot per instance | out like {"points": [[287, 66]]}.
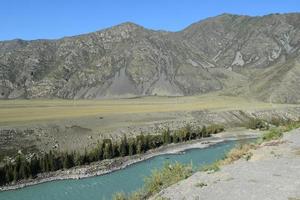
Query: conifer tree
{"points": [[139, 147], [167, 136], [68, 161], [123, 149], [107, 154], [34, 166], [204, 132], [116, 149]]}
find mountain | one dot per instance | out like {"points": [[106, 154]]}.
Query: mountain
{"points": [[232, 54]]}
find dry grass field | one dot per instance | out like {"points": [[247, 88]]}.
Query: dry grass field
{"points": [[78, 124], [14, 112]]}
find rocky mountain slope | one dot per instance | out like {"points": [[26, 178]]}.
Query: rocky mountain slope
{"points": [[237, 55]]}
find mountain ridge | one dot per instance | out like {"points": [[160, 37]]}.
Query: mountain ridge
{"points": [[223, 53]]}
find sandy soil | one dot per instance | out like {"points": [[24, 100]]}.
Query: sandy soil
{"points": [[273, 173]]}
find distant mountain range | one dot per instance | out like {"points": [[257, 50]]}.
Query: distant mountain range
{"points": [[255, 57]]}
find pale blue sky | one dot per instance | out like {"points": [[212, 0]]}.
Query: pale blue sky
{"points": [[33, 19]]}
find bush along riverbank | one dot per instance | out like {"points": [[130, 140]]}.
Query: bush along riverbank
{"points": [[28, 167], [171, 174]]}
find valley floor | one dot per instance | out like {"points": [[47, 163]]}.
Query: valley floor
{"points": [[74, 125], [273, 172]]}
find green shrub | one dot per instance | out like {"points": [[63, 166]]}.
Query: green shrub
{"points": [[120, 196], [214, 129], [276, 121], [158, 180], [201, 184], [272, 134], [213, 167], [291, 125], [168, 175], [255, 123]]}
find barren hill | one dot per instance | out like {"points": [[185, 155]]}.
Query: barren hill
{"points": [[236, 55]]}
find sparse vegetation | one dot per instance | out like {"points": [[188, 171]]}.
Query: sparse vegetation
{"points": [[201, 184], [255, 123], [168, 175], [120, 196], [277, 132], [272, 134], [237, 153], [243, 151], [277, 121], [213, 167], [158, 180], [215, 128]]}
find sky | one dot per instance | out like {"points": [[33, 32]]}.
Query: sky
{"points": [[51, 19]]}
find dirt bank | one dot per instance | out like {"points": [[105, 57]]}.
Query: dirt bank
{"points": [[273, 172]]}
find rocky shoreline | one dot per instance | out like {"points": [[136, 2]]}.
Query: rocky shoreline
{"points": [[109, 166]]}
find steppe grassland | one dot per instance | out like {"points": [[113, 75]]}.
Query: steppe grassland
{"points": [[22, 111]]}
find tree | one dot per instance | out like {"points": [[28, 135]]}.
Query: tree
{"points": [[17, 166], [176, 137], [22, 173], [182, 135], [193, 135], [34, 166], [167, 136], [155, 141], [79, 159], [198, 132], [50, 161], [107, 154], [147, 142], [44, 163], [100, 151], [131, 147], [115, 149], [2, 176], [187, 131], [140, 147], [123, 147], [68, 161], [85, 158], [204, 132], [9, 172], [16, 173]]}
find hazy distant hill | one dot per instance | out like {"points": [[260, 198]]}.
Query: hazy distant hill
{"points": [[238, 55]]}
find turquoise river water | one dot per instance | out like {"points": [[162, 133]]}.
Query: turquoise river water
{"points": [[127, 180]]}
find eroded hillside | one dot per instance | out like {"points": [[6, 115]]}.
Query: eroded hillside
{"points": [[238, 55]]}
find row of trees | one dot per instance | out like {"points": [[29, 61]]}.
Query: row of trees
{"points": [[256, 123], [22, 168]]}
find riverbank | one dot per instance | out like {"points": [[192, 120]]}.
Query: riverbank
{"points": [[272, 172], [108, 166]]}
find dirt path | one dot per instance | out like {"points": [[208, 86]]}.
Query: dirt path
{"points": [[272, 173]]}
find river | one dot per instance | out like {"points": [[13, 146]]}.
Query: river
{"points": [[127, 180]]}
